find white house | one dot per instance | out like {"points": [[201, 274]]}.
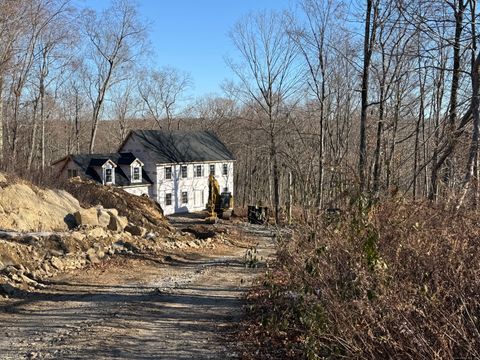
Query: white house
{"points": [[171, 167]]}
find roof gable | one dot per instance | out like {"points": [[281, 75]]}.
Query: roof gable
{"points": [[181, 146], [137, 162], [88, 162], [108, 162]]}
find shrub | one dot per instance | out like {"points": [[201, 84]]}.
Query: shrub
{"points": [[391, 280]]}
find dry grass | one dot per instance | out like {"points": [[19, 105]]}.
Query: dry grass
{"points": [[395, 280]]}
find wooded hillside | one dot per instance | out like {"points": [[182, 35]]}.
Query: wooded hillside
{"points": [[376, 97]]}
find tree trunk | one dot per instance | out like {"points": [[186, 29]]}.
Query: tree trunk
{"points": [[290, 197], [77, 123], [370, 29], [33, 143], [98, 106], [378, 143], [473, 151], [452, 116], [421, 114], [276, 180]]}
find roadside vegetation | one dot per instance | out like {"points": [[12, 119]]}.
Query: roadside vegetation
{"points": [[394, 279]]}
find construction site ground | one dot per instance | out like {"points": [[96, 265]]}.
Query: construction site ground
{"points": [[180, 305]]}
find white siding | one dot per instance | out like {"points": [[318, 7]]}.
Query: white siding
{"points": [[196, 187]]}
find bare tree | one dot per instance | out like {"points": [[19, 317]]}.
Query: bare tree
{"points": [[126, 104], [115, 40], [472, 160], [369, 42], [161, 91], [55, 33], [268, 78], [458, 8], [311, 40], [12, 25]]}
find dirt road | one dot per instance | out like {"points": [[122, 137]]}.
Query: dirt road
{"points": [[135, 307]]}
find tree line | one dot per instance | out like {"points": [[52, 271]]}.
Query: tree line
{"points": [[327, 101]]}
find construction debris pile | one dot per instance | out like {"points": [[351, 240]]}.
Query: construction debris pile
{"points": [[44, 232], [24, 207], [139, 210]]}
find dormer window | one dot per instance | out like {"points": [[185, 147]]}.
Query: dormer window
{"points": [[109, 172], [136, 174], [136, 171], [108, 176]]}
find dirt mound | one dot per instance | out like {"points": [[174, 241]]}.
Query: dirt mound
{"points": [[139, 210], [25, 207]]}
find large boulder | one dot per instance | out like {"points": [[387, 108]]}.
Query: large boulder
{"points": [[96, 233], [112, 212], [77, 235], [103, 218], [92, 256], [56, 263], [136, 230], [117, 223], [86, 217]]}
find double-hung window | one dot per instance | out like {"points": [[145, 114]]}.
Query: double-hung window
{"points": [[136, 173], [198, 171], [184, 171], [168, 199], [225, 169], [184, 197], [212, 169], [108, 176], [168, 173]]}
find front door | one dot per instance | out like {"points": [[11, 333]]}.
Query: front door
{"points": [[198, 199]]}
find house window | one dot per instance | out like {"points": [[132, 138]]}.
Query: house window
{"points": [[136, 173], [168, 199], [212, 169], [225, 169], [108, 176], [198, 171], [168, 173], [72, 173], [184, 171], [225, 189], [184, 197]]}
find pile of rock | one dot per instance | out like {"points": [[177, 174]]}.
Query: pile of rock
{"points": [[25, 207], [38, 261], [98, 216], [106, 219]]}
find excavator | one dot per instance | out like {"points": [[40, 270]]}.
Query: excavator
{"points": [[219, 204]]}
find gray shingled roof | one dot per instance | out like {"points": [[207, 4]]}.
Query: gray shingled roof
{"points": [[182, 146], [88, 161]]}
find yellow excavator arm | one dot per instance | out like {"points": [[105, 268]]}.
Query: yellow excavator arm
{"points": [[218, 203]]}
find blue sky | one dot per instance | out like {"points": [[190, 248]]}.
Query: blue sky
{"points": [[193, 35]]}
